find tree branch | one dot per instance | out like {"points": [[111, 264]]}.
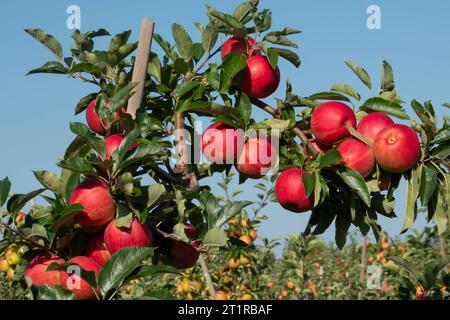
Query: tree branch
{"points": [[297, 131]]}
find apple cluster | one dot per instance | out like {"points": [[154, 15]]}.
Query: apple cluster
{"points": [[375, 140]]}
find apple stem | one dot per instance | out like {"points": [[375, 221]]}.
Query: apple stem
{"points": [[297, 131], [359, 136], [209, 283]]}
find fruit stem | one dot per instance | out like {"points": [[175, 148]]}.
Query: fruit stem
{"points": [[359, 136], [297, 131], [209, 283], [207, 60]]}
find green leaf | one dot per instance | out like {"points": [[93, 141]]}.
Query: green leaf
{"points": [[78, 164], [342, 225], [280, 40], [388, 107], [141, 153], [165, 46], [230, 210], [274, 124], [5, 187], [154, 67], [83, 131], [346, 89], [442, 151], [328, 96], [440, 216], [309, 182], [183, 41], [120, 266], [356, 182], [49, 180], [84, 102], [119, 98], [53, 293], [155, 192], [330, 158], [184, 88], [124, 222], [231, 66], [118, 40], [236, 26], [387, 77], [407, 267], [442, 136], [285, 32], [428, 184], [273, 58], [50, 67], [47, 40], [244, 107], [360, 72], [66, 216], [151, 270], [215, 237], [209, 37], [18, 201], [243, 10], [289, 55], [413, 185]]}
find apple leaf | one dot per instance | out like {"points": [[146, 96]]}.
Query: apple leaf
{"points": [[83, 131], [154, 67], [328, 96], [18, 201], [346, 89], [5, 187], [49, 180], [84, 102], [209, 37], [155, 191], [388, 107], [356, 182], [56, 292], [66, 215], [413, 185], [151, 270], [342, 225], [183, 41], [121, 96], [231, 66], [120, 266], [118, 40], [289, 55], [443, 135], [165, 46], [50, 67], [78, 164], [47, 40], [330, 158], [360, 72], [215, 237], [428, 184], [387, 77]]}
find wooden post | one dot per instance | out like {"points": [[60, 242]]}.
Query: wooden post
{"points": [[140, 65]]}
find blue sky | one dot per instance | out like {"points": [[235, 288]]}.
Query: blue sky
{"points": [[36, 109]]}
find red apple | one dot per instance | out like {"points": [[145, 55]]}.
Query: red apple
{"points": [[113, 142], [396, 148], [37, 273], [137, 235], [184, 255], [97, 251], [373, 123], [290, 191], [222, 143], [239, 45], [98, 203], [74, 283], [256, 158], [330, 120], [358, 156], [93, 120], [259, 79]]}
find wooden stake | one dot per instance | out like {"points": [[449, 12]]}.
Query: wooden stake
{"points": [[140, 65]]}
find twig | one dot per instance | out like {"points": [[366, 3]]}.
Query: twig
{"points": [[297, 131], [24, 238], [207, 60], [207, 275]]}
